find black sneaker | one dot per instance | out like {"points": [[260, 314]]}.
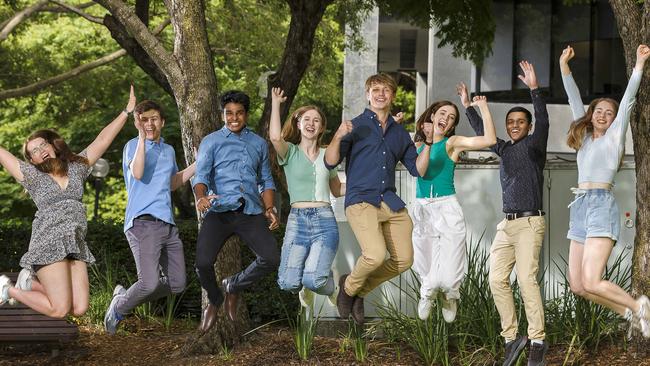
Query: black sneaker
{"points": [[343, 300], [513, 350], [537, 353]]}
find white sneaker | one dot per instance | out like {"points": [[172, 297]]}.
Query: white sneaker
{"points": [[332, 297], [119, 290], [424, 308], [643, 315], [449, 308], [306, 297], [5, 284]]}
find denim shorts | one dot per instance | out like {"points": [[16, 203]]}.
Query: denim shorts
{"points": [[594, 213]]}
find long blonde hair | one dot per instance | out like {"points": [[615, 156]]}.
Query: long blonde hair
{"points": [[290, 131], [583, 125]]}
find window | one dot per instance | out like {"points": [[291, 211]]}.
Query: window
{"points": [[538, 31]]}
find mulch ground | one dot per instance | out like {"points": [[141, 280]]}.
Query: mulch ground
{"points": [[146, 344]]}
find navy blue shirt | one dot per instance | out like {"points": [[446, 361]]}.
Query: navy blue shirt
{"points": [[522, 162], [371, 155]]}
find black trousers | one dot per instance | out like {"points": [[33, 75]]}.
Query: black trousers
{"points": [[254, 231]]}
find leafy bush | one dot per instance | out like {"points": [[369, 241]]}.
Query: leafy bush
{"points": [[115, 264]]}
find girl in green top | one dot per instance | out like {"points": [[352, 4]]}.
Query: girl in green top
{"points": [[438, 223], [311, 237]]}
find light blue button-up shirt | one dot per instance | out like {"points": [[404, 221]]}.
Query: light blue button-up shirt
{"points": [[234, 166], [152, 194]]}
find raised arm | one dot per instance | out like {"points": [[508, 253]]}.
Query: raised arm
{"points": [[474, 119], [570, 87], [422, 161], [340, 141], [137, 163], [275, 127], [97, 148], [12, 164], [487, 139], [540, 134], [619, 126]]}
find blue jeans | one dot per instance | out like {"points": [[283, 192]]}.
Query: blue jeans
{"points": [[310, 243]]}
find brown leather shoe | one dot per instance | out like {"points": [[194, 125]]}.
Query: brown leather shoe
{"points": [[209, 317], [343, 300], [230, 304], [357, 311]]}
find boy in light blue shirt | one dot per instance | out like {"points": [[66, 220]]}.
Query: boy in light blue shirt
{"points": [[150, 174]]}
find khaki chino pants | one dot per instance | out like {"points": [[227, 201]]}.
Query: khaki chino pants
{"points": [[517, 244], [378, 230]]}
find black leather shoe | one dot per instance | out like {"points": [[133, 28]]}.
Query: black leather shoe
{"points": [[209, 318], [357, 311], [343, 300]]}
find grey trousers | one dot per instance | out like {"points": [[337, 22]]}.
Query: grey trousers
{"points": [[156, 248]]}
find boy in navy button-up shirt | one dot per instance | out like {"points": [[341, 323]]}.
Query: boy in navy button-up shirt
{"points": [[372, 144]]}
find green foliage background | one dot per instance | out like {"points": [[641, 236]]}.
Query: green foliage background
{"points": [[48, 44]]}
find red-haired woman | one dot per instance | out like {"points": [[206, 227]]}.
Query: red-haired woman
{"points": [[599, 138], [54, 177], [311, 237]]}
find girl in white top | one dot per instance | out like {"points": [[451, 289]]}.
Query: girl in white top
{"points": [[599, 137]]}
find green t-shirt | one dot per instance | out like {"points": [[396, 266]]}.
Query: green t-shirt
{"points": [[439, 179], [307, 181]]}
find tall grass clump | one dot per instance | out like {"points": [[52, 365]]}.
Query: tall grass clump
{"points": [[304, 330], [428, 338]]}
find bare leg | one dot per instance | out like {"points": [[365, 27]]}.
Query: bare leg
{"points": [[577, 262], [56, 298], [80, 290]]}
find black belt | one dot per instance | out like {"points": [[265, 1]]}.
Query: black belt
{"points": [[148, 217], [516, 215]]}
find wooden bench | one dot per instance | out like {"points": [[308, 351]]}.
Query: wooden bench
{"points": [[20, 324]]}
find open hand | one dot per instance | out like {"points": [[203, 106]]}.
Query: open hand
{"points": [[529, 78], [567, 55], [139, 126], [461, 90], [277, 96], [130, 106]]}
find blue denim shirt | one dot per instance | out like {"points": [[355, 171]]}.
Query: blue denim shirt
{"points": [[152, 194], [371, 156], [234, 166]]}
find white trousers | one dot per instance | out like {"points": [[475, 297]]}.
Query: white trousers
{"points": [[439, 245]]}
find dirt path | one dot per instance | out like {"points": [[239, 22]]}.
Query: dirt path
{"points": [[149, 345]]}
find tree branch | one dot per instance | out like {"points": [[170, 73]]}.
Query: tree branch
{"points": [[150, 44], [19, 17], [25, 90], [58, 9], [78, 12]]}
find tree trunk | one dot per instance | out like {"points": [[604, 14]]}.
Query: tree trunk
{"points": [[633, 21], [306, 15], [189, 72]]}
